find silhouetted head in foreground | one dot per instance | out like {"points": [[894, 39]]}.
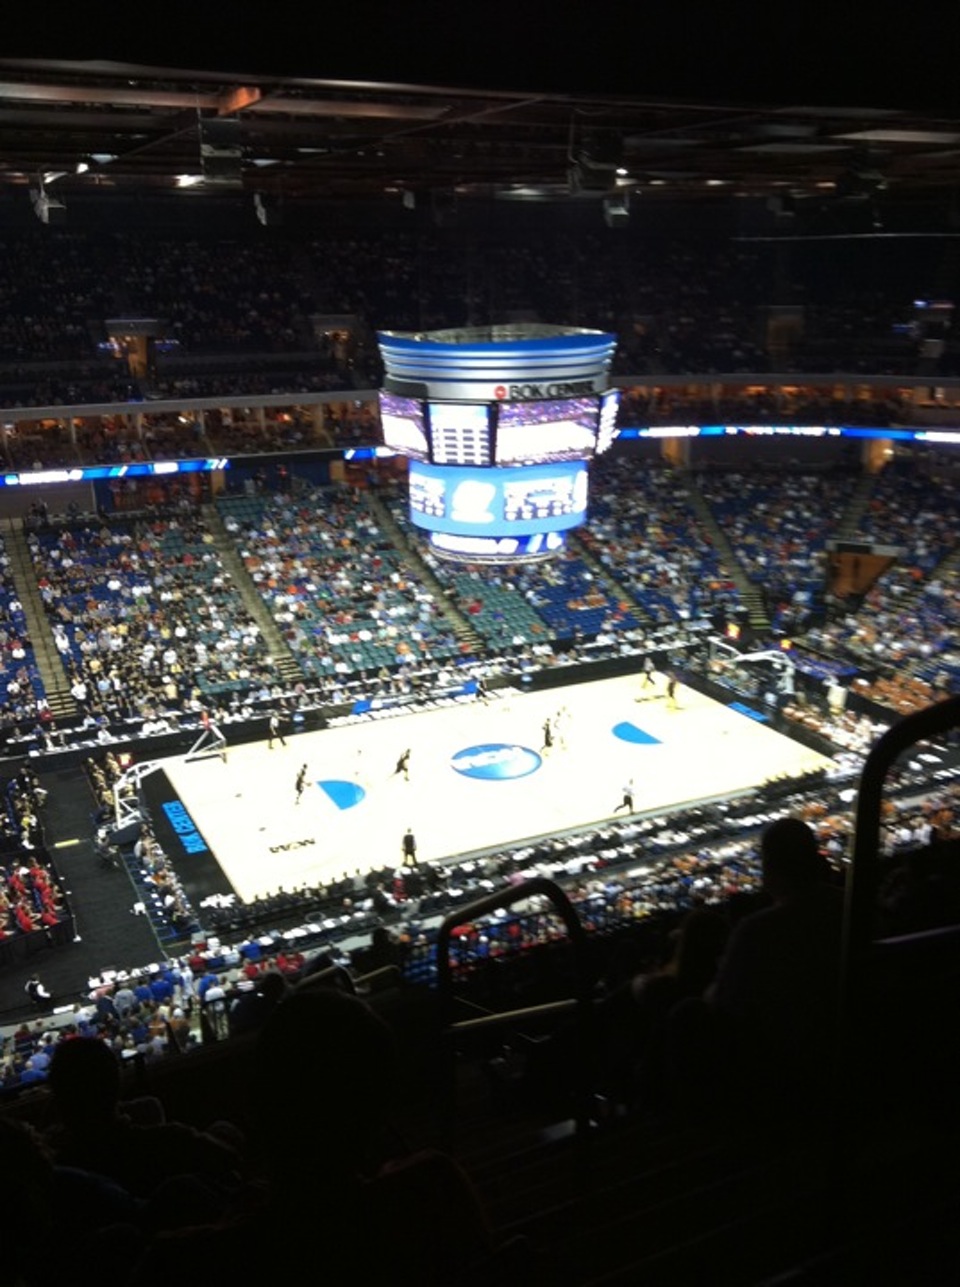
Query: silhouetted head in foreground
{"points": [[326, 1069], [85, 1080], [792, 864]]}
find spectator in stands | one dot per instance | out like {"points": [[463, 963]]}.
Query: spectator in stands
{"points": [[778, 983], [251, 1010], [697, 945], [94, 1135], [325, 1076]]}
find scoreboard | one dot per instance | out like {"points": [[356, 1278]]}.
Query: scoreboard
{"points": [[499, 424], [468, 501], [404, 426], [530, 433], [537, 432], [459, 433]]}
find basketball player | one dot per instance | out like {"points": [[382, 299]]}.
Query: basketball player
{"points": [[547, 735], [301, 782], [672, 690], [207, 724], [403, 765]]}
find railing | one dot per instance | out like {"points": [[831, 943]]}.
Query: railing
{"points": [[872, 986], [575, 1007]]}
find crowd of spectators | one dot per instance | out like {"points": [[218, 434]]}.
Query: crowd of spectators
{"points": [[565, 601], [915, 507], [219, 295], [161, 1188], [164, 1008], [160, 894], [742, 978], [223, 382], [351, 603], [905, 621], [697, 306], [645, 532], [100, 439], [145, 617], [51, 291], [32, 901], [236, 433], [21, 689], [778, 523], [659, 405], [337, 587], [897, 624]]}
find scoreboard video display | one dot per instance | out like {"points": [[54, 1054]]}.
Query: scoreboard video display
{"points": [[607, 432], [404, 426], [459, 433], [499, 422], [481, 434], [531, 433], [516, 501]]}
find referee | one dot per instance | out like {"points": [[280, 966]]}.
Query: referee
{"points": [[627, 801], [409, 847]]}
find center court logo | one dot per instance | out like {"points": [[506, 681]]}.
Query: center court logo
{"points": [[496, 761]]}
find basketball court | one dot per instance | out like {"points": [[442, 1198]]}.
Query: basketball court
{"points": [[480, 778]]}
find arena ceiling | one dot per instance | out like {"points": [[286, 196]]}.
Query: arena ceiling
{"points": [[111, 127]]}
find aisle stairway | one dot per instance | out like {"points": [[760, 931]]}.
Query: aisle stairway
{"points": [[613, 588], [288, 671], [946, 571], [850, 522], [45, 652], [459, 624], [750, 595]]}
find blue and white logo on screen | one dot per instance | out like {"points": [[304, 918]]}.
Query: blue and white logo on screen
{"points": [[472, 502], [496, 761]]}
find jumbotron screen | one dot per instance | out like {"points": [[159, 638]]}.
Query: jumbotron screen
{"points": [[541, 432], [404, 427], [609, 404], [533, 433], [459, 432], [517, 501]]}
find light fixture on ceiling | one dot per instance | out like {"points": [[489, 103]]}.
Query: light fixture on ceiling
{"points": [[616, 210], [47, 209], [267, 210]]}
